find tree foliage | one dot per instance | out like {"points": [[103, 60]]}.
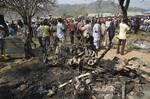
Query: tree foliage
{"points": [[26, 8]]}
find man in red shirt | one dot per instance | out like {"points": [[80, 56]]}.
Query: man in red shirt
{"points": [[71, 29]]}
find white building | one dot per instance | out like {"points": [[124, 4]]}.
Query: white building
{"points": [[135, 13], [101, 14], [130, 13], [147, 13]]}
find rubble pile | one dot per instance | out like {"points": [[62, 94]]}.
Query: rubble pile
{"points": [[77, 55], [141, 45], [104, 83], [75, 73]]}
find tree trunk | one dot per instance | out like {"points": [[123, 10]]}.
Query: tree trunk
{"points": [[125, 15], [28, 35], [28, 23], [124, 4], [29, 26]]}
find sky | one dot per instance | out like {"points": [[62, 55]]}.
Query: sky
{"points": [[134, 3]]}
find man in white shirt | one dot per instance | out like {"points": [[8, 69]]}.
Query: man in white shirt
{"points": [[124, 28], [60, 34], [96, 34], [60, 30]]}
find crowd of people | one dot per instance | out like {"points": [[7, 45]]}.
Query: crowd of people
{"points": [[53, 32], [145, 26]]}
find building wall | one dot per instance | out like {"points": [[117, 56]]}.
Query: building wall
{"points": [[112, 14]]}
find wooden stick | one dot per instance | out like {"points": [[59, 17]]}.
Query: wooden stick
{"points": [[70, 81]]}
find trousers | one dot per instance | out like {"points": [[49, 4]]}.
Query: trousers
{"points": [[121, 46], [2, 46]]}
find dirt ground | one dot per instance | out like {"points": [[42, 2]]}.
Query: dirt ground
{"points": [[130, 51], [145, 56]]}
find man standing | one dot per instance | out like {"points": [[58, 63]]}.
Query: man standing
{"points": [[111, 32], [103, 34], [124, 28], [107, 23], [2, 33], [60, 34], [79, 34], [45, 36], [137, 25], [46, 40], [87, 30], [96, 34], [71, 27], [14, 28], [60, 30]]}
